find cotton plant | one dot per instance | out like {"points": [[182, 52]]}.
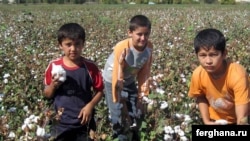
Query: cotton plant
{"points": [[30, 125], [170, 133], [36, 126], [5, 78], [1, 97], [4, 128]]}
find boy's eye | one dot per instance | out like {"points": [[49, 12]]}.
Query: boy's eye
{"points": [[142, 34], [68, 44], [202, 55], [213, 55]]}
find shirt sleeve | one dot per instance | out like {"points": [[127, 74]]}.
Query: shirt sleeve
{"points": [[117, 74], [96, 76], [48, 75], [240, 86], [195, 84]]}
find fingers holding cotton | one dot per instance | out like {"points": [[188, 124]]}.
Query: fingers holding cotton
{"points": [[58, 72]]}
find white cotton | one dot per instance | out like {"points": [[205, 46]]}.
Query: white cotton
{"points": [[26, 108], [183, 138], [24, 126], [133, 125], [179, 115], [27, 121], [187, 118], [164, 105], [177, 129], [35, 119], [181, 133], [167, 137], [147, 100], [31, 117], [6, 75], [12, 135], [5, 81], [40, 131], [160, 91], [59, 72], [221, 122], [168, 130]]}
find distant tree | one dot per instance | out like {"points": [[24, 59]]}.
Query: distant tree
{"points": [[209, 1], [5, 1], [60, 1], [227, 1]]}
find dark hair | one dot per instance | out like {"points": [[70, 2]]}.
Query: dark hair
{"points": [[72, 31], [209, 38], [139, 21]]}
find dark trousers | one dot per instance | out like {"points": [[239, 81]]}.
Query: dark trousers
{"points": [[74, 135]]}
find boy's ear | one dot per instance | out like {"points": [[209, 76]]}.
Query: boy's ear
{"points": [[129, 33], [60, 45]]}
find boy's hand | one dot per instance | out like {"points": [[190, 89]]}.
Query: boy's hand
{"points": [[119, 85], [86, 114], [55, 81]]}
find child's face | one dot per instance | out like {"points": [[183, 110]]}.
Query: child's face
{"points": [[139, 37], [212, 60], [72, 49]]}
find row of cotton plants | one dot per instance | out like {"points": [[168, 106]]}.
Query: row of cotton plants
{"points": [[28, 42]]}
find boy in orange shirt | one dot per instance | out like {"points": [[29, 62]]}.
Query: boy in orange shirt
{"points": [[126, 75], [220, 87]]}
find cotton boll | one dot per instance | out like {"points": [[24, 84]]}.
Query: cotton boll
{"points": [[164, 105], [168, 137], [24, 127], [221, 122], [12, 135], [27, 121], [40, 131], [59, 72], [183, 138]]}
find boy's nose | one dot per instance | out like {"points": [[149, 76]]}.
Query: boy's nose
{"points": [[73, 47], [208, 60]]}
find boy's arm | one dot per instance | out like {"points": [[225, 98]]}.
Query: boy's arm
{"points": [[86, 112], [241, 92], [241, 113], [117, 74], [143, 79], [96, 99], [203, 107], [143, 76], [50, 89]]}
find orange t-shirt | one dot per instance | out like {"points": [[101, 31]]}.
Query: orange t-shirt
{"points": [[223, 93]]}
